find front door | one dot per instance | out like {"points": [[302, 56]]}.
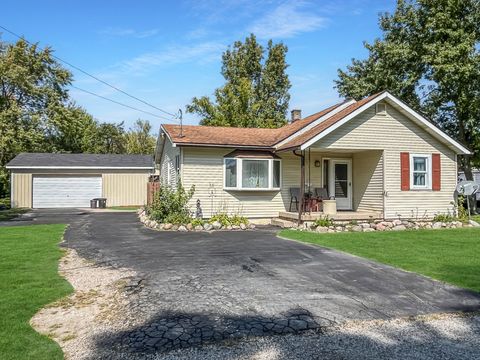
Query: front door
{"points": [[341, 183]]}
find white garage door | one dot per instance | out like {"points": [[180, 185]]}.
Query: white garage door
{"points": [[65, 191]]}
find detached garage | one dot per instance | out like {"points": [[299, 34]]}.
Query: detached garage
{"points": [[41, 180]]}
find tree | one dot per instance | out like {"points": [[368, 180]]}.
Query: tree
{"points": [[429, 57], [139, 140], [255, 93], [105, 138], [31, 84]]}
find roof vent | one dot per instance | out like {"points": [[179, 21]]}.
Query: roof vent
{"points": [[296, 115]]}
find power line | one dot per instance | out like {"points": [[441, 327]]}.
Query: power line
{"points": [[119, 103], [92, 76]]}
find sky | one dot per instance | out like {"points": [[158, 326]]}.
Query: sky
{"points": [[167, 52]]}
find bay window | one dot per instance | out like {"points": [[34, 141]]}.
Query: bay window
{"points": [[251, 174]]}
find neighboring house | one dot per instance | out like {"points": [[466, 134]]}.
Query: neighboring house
{"points": [[43, 180], [375, 156], [476, 178]]}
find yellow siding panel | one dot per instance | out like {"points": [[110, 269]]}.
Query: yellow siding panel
{"points": [[124, 189], [21, 190]]}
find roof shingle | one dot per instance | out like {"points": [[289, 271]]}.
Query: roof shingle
{"points": [[81, 160]]}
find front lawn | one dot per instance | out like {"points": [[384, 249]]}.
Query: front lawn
{"points": [[450, 255], [29, 280]]}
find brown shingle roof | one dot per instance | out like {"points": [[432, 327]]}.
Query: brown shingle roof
{"points": [[255, 137]]}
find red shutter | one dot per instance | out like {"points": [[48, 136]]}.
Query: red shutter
{"points": [[405, 171], [436, 172]]}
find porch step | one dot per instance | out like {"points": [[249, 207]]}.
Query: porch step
{"points": [[283, 223]]}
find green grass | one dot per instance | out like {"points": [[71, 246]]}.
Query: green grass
{"points": [[130, 208], [29, 280], [9, 214], [476, 218], [450, 255]]}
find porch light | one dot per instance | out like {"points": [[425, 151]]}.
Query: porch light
{"points": [[317, 163]]}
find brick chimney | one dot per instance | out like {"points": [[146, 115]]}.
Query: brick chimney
{"points": [[296, 115]]}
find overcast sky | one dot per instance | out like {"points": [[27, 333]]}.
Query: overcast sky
{"points": [[167, 52]]}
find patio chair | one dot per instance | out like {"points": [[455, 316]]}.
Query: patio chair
{"points": [[321, 193], [294, 198]]}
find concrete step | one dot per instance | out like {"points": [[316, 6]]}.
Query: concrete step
{"points": [[283, 223]]}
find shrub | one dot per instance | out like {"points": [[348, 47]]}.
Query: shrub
{"points": [[444, 218], [323, 221], [196, 222], [171, 205], [226, 220], [5, 203]]}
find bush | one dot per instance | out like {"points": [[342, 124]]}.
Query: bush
{"points": [[227, 220], [5, 203], [196, 222], [323, 221], [444, 218], [171, 205]]}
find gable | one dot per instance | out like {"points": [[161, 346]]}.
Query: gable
{"points": [[370, 130]]}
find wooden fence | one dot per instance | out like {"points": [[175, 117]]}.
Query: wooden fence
{"points": [[152, 188]]}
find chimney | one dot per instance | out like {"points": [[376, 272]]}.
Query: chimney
{"points": [[296, 115]]}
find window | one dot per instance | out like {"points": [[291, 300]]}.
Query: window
{"points": [[177, 164], [420, 171], [381, 109], [230, 173], [252, 174]]}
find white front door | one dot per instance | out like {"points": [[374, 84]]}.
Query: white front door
{"points": [[340, 183]]}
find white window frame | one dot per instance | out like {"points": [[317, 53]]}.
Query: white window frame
{"points": [[428, 172], [240, 187]]}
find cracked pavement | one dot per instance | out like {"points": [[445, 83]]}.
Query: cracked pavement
{"points": [[196, 288]]}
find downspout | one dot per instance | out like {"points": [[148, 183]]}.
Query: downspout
{"points": [[302, 184]]}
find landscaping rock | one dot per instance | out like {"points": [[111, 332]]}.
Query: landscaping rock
{"points": [[321, 229], [235, 227], [437, 225], [357, 228], [243, 226], [167, 226], [368, 229], [175, 227], [189, 227], [330, 231], [400, 228], [380, 227], [397, 222], [365, 225], [251, 226], [198, 228], [208, 226], [160, 226], [182, 228], [216, 225]]}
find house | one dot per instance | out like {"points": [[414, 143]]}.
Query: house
{"points": [[377, 157], [43, 180]]}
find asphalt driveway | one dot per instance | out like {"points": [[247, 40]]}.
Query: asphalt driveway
{"points": [[203, 287]]}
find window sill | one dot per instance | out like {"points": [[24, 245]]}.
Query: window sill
{"points": [[252, 189]]}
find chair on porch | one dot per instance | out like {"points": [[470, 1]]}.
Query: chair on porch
{"points": [[294, 198], [320, 195]]}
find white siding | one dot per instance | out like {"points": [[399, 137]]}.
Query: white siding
{"points": [[393, 134], [168, 173]]}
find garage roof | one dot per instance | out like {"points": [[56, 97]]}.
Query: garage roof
{"points": [[80, 161]]}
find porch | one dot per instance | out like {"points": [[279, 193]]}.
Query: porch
{"points": [[353, 178]]}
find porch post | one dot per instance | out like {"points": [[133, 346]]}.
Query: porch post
{"points": [[302, 187]]}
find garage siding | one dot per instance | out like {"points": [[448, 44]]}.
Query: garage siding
{"points": [[125, 189], [120, 187], [21, 190]]}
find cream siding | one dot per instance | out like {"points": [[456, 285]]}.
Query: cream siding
{"points": [[395, 133], [203, 167], [21, 190], [120, 187], [367, 181], [124, 189], [168, 173]]}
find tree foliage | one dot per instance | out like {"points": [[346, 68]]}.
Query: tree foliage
{"points": [[139, 140], [429, 57], [255, 93], [37, 114]]}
